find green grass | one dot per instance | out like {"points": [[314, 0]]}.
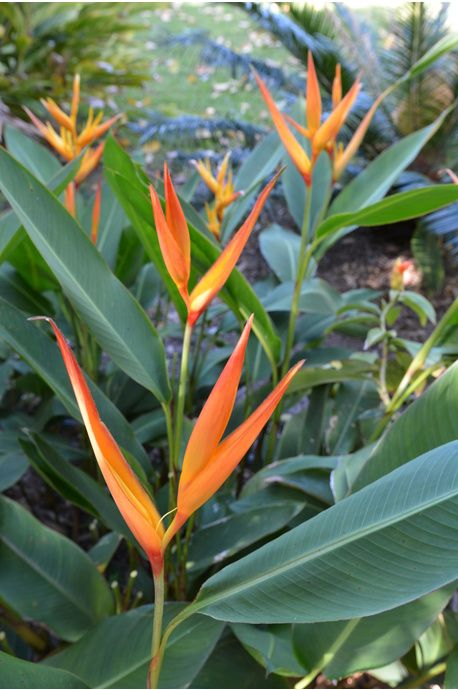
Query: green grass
{"points": [[183, 84]]}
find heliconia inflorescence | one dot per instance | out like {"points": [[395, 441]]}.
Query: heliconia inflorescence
{"points": [[322, 135], [173, 235], [208, 460]]}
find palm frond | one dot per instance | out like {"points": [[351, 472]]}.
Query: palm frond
{"points": [[192, 128]]}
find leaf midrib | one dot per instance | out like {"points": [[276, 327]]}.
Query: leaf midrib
{"points": [[317, 552]]}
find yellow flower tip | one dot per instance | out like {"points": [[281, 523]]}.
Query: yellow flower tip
{"points": [[337, 87], [289, 141], [214, 279]]}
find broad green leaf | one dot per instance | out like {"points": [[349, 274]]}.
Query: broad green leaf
{"points": [[451, 674], [217, 541], [13, 464], [17, 673], [393, 209], [11, 233], [352, 399], [130, 186], [271, 646], [230, 666], [117, 652], [286, 470], [419, 304], [42, 354], [344, 370], [339, 648], [102, 552], [280, 248], [72, 483], [374, 182], [317, 297], [430, 421], [296, 191], [14, 289], [401, 529], [434, 643], [33, 155], [42, 574], [118, 322]]}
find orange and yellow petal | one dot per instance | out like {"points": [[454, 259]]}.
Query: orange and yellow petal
{"points": [[89, 162], [313, 103], [351, 149], [133, 502], [226, 457], [295, 150], [213, 420], [204, 170], [328, 131], [176, 220], [214, 279], [175, 261], [337, 87], [57, 113], [96, 212]]}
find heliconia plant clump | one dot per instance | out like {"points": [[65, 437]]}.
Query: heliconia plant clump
{"points": [[243, 488]]}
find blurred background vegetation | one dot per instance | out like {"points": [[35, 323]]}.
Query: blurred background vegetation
{"points": [[181, 73]]}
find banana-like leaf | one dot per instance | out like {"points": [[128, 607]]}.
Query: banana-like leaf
{"points": [[115, 318], [375, 181], [388, 544], [393, 209], [117, 653], [42, 572], [430, 421], [18, 673], [42, 354], [339, 648]]}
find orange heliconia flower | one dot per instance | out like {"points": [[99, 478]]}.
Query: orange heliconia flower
{"points": [[173, 235], [223, 189], [134, 503], [68, 143], [322, 136], [96, 212], [208, 461]]}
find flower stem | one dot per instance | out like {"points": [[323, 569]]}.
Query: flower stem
{"points": [[305, 254], [181, 393], [155, 665]]}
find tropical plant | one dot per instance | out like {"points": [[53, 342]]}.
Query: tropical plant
{"points": [[332, 549], [43, 44], [385, 56]]}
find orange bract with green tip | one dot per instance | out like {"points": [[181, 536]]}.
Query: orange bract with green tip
{"points": [[322, 136], [173, 236], [207, 463], [135, 505]]}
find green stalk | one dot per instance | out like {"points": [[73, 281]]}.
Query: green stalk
{"points": [[181, 393], [170, 442], [159, 657], [305, 254], [155, 665]]}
